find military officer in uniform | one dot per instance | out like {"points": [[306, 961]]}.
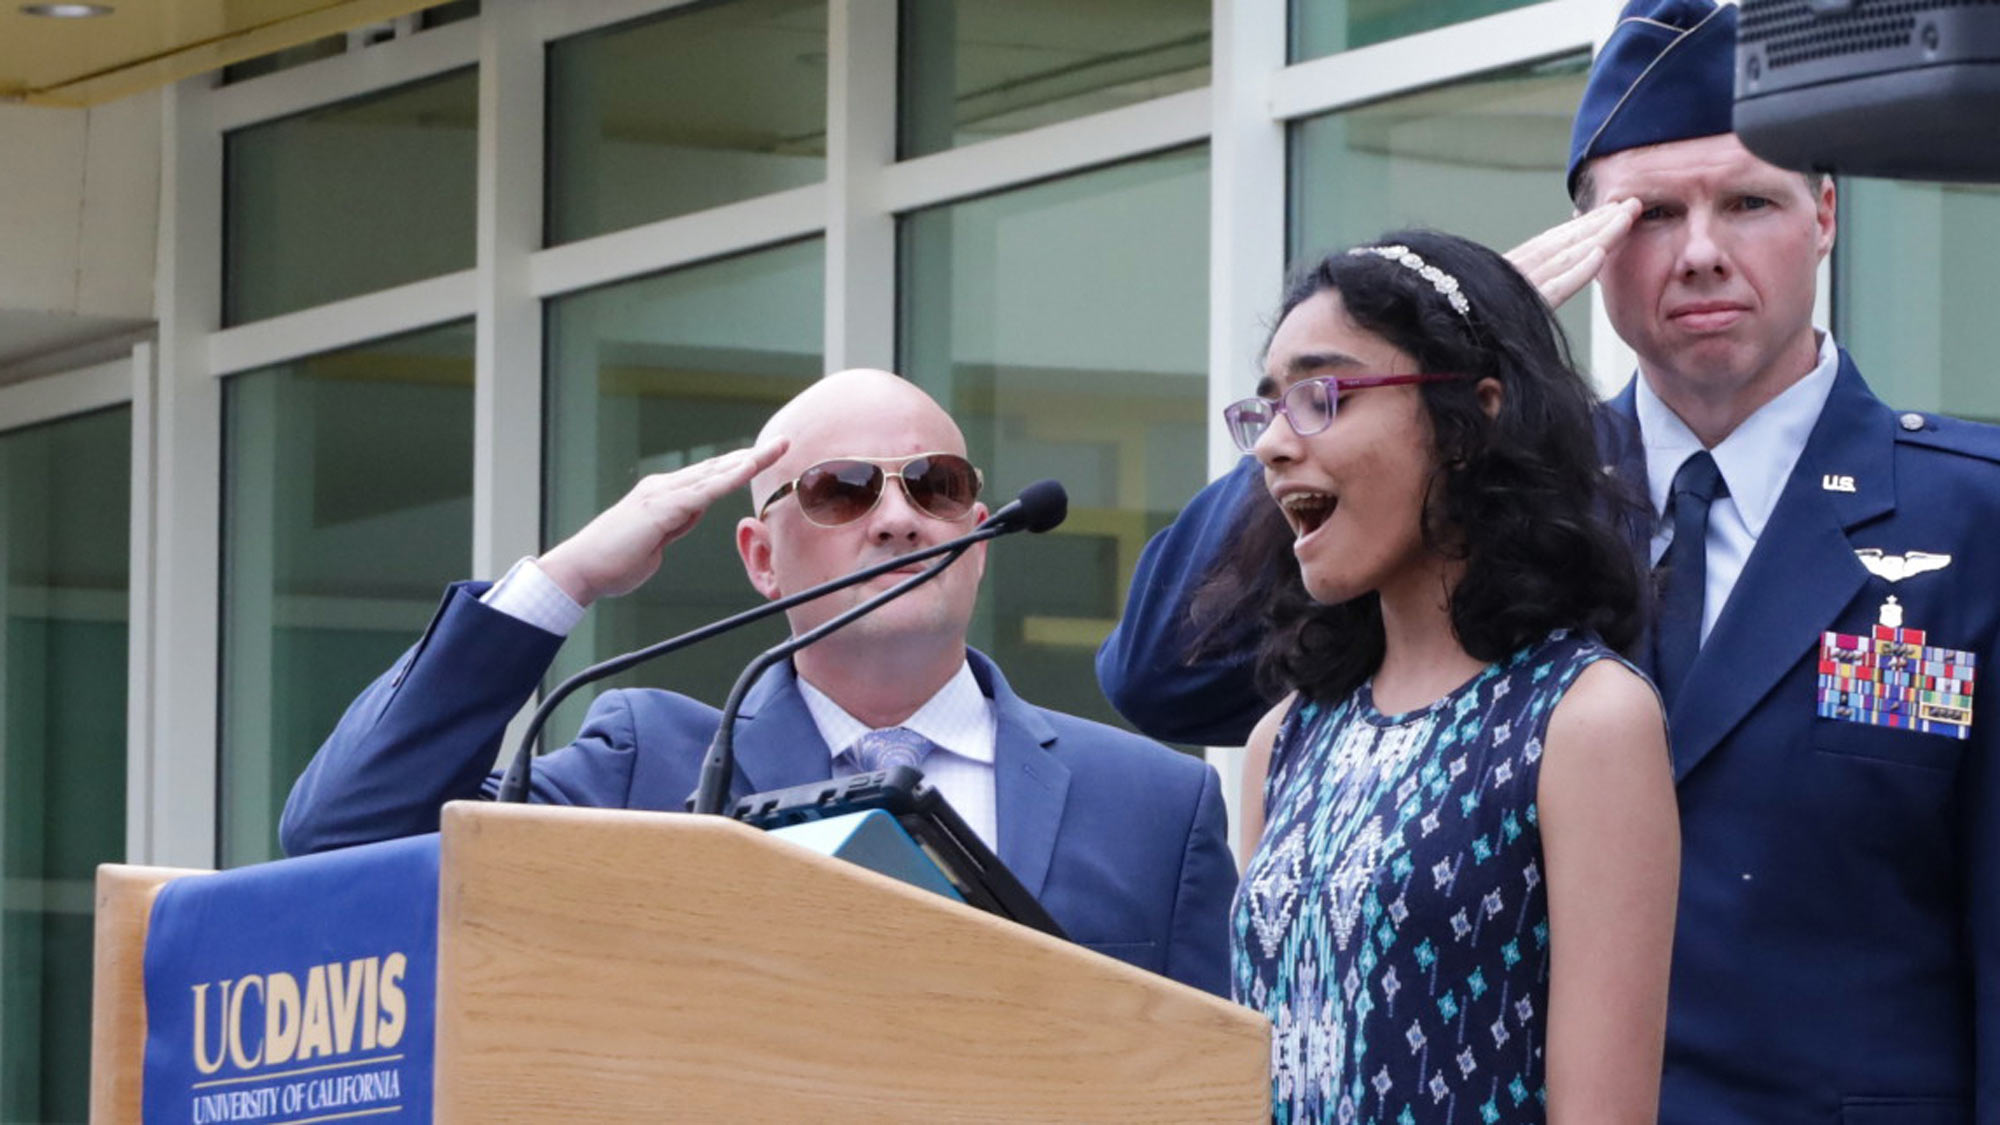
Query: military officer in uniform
{"points": [[1827, 613]]}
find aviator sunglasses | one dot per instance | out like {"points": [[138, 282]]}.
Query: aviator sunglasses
{"points": [[842, 490], [1309, 405]]}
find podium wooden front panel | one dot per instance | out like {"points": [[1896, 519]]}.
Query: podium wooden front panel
{"points": [[612, 966]]}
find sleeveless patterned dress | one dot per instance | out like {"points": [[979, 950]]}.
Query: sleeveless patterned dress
{"points": [[1393, 924]]}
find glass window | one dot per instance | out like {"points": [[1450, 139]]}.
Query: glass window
{"points": [[65, 511], [974, 69], [647, 376], [370, 193], [701, 105], [1324, 27], [325, 47], [1483, 157], [347, 508], [1065, 326], [1912, 269], [450, 12]]}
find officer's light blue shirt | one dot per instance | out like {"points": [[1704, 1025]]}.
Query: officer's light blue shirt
{"points": [[1756, 460]]}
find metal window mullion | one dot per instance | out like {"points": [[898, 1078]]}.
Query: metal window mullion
{"points": [[1246, 248], [1246, 204], [1431, 58], [186, 563], [141, 602], [51, 397], [680, 241], [861, 145], [343, 323], [1077, 145], [507, 349]]}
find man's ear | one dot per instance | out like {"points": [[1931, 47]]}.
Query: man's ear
{"points": [[1491, 396], [976, 558], [753, 546]]}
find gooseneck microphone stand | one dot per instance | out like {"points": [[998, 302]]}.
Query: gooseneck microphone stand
{"points": [[719, 766], [1039, 507]]}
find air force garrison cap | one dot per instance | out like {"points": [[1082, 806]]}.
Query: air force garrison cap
{"points": [[1667, 73]]}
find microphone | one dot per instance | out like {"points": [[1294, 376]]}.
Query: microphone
{"points": [[1037, 508], [1040, 499]]}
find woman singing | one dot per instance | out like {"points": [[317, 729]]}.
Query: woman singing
{"points": [[1460, 902]]}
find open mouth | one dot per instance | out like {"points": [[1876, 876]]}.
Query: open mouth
{"points": [[1308, 511]]}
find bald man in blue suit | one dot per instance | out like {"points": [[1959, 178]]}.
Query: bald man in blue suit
{"points": [[1821, 639], [1121, 839]]}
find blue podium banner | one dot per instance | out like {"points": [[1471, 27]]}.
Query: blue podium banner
{"points": [[297, 991]]}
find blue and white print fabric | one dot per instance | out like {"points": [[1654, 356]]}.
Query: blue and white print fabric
{"points": [[1393, 923]]}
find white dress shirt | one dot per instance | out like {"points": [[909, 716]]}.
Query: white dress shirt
{"points": [[527, 593], [1756, 460], [959, 718]]}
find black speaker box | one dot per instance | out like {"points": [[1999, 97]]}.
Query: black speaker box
{"points": [[1908, 89]]}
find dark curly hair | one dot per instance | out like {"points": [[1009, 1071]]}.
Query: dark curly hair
{"points": [[1520, 496]]}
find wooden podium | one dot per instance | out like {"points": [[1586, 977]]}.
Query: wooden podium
{"points": [[611, 966]]}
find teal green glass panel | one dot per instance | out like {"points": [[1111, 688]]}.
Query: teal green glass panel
{"points": [[1913, 277], [701, 105], [335, 202], [646, 376], [65, 514], [976, 69], [1482, 157], [1325, 27], [1065, 326], [347, 508]]}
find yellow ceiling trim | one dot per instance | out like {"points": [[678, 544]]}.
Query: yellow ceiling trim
{"points": [[142, 74]]}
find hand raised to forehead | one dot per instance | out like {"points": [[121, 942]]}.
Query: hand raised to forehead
{"points": [[619, 550], [1560, 261]]}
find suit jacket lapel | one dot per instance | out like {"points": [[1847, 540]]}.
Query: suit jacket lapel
{"points": [[1623, 453], [777, 743], [1030, 785], [1799, 577]]}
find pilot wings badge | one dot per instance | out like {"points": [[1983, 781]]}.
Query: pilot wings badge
{"points": [[1895, 568]]}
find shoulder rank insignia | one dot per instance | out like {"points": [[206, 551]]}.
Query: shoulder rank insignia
{"points": [[1891, 678]]}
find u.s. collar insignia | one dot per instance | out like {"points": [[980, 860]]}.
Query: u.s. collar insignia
{"points": [[1895, 568], [1891, 678]]}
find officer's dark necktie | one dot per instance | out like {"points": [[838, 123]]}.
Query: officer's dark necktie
{"points": [[1677, 637]]}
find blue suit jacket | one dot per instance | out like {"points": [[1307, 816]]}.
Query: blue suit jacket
{"points": [[1838, 951], [1122, 840]]}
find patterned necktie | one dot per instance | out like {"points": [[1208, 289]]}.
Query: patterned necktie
{"points": [[895, 746], [1677, 637]]}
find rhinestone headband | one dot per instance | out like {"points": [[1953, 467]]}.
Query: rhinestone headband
{"points": [[1441, 281]]}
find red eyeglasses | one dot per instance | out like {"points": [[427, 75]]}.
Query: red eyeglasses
{"points": [[940, 485]]}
